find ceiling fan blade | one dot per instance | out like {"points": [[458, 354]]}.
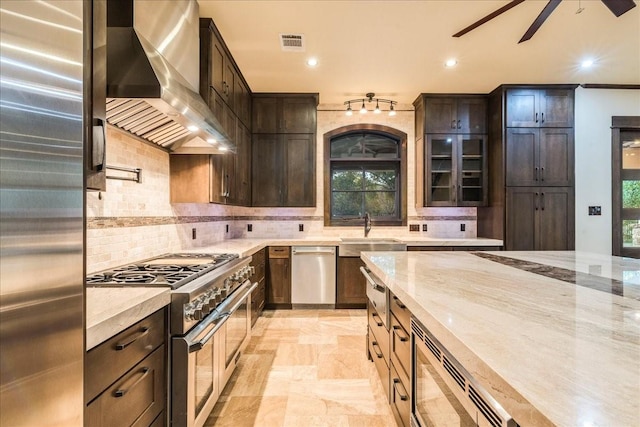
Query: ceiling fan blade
{"points": [[618, 7], [489, 17], [540, 20]]}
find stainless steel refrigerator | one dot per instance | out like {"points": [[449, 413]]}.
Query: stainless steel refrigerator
{"points": [[43, 110]]}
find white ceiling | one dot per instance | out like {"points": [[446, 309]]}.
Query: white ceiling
{"points": [[397, 49]]}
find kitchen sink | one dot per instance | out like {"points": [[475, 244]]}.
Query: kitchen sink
{"points": [[351, 247]]}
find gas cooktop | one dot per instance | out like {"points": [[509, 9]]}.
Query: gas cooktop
{"points": [[173, 270]]}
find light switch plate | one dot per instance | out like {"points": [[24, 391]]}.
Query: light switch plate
{"points": [[595, 210], [414, 227]]}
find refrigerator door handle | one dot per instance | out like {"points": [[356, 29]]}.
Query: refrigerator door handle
{"points": [[98, 147]]}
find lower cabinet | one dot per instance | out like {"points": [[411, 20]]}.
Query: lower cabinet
{"points": [[279, 277], [540, 218], [258, 296], [125, 377], [351, 284], [453, 248]]}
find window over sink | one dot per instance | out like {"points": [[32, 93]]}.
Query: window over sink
{"points": [[365, 171]]}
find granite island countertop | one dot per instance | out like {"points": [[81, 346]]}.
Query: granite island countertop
{"points": [[554, 336]]}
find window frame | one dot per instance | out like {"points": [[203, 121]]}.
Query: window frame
{"points": [[401, 181]]}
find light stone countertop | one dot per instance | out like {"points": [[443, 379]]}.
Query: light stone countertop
{"points": [[551, 352], [112, 310]]}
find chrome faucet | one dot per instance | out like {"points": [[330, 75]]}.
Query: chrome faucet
{"points": [[367, 224]]}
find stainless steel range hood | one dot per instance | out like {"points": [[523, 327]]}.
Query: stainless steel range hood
{"points": [[153, 66]]}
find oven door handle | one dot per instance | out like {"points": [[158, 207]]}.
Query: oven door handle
{"points": [[374, 285], [241, 299], [198, 345]]}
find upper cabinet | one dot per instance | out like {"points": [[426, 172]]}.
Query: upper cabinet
{"points": [[219, 72], [454, 114], [545, 108], [287, 113]]}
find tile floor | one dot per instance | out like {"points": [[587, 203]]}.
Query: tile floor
{"points": [[305, 368]]}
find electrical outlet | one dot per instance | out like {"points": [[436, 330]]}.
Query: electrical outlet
{"points": [[463, 227], [424, 227], [227, 228], [249, 228], [193, 234], [414, 227], [595, 210], [300, 227]]}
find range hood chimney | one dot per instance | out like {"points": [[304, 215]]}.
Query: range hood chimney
{"points": [[153, 66]]}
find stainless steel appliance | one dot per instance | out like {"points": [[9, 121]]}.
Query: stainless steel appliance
{"points": [[42, 122], [378, 294], [444, 393], [210, 322], [313, 276]]}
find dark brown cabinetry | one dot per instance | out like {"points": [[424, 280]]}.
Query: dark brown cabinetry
{"points": [[283, 150], [283, 170], [279, 277], [451, 150], [258, 296], [400, 355], [531, 166], [540, 218], [125, 377], [351, 284]]}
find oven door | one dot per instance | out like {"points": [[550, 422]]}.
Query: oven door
{"points": [[195, 373], [236, 331]]}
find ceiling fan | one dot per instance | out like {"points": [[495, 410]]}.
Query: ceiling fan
{"points": [[617, 7]]}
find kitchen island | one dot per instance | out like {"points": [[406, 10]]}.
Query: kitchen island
{"points": [[553, 336]]}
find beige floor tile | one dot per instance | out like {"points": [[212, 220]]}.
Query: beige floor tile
{"points": [[370, 421], [316, 421], [241, 411], [296, 354], [346, 364]]}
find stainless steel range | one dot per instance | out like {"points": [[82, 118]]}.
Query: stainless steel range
{"points": [[210, 322]]}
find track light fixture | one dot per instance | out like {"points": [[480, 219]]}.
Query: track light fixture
{"points": [[370, 97]]}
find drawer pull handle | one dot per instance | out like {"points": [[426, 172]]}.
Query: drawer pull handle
{"points": [[403, 339], [374, 315], [121, 392], [374, 345], [133, 338], [398, 303], [403, 394]]}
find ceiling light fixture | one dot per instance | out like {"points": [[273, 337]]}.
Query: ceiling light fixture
{"points": [[312, 62], [587, 63], [193, 128], [370, 97], [450, 63], [212, 141]]}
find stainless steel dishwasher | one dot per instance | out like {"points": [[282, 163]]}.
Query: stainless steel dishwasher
{"points": [[313, 276]]}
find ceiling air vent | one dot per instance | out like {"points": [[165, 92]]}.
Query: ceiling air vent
{"points": [[292, 42]]}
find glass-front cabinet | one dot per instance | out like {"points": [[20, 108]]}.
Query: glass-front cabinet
{"points": [[455, 170]]}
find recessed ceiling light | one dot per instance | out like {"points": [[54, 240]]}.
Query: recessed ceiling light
{"points": [[587, 63], [192, 128], [223, 148], [450, 63], [211, 141], [312, 62]]}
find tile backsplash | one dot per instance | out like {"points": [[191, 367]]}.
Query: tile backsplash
{"points": [[132, 221]]}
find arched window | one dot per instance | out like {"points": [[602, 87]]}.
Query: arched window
{"points": [[365, 171]]}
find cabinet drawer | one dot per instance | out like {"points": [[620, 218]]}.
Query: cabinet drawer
{"points": [[400, 349], [259, 274], [279, 251], [111, 359], [136, 399], [380, 333], [400, 399], [378, 360], [401, 312], [258, 258]]}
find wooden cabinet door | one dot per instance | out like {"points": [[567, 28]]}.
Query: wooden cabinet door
{"points": [[471, 116], [440, 160], [471, 170], [217, 65], [300, 177], [522, 107], [297, 115], [351, 289], [217, 179], [267, 170], [556, 108], [243, 166], [242, 102], [522, 157], [556, 157], [521, 205], [440, 115], [229, 82], [264, 113], [555, 221], [279, 281]]}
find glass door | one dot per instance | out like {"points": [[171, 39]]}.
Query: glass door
{"points": [[626, 191], [472, 170], [441, 187]]}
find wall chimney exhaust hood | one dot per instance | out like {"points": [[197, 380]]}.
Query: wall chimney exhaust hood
{"points": [[153, 72]]}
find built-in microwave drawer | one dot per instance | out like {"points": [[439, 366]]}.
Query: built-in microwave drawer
{"points": [[400, 399], [379, 362], [111, 359], [136, 399], [400, 342], [401, 312], [381, 333]]}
